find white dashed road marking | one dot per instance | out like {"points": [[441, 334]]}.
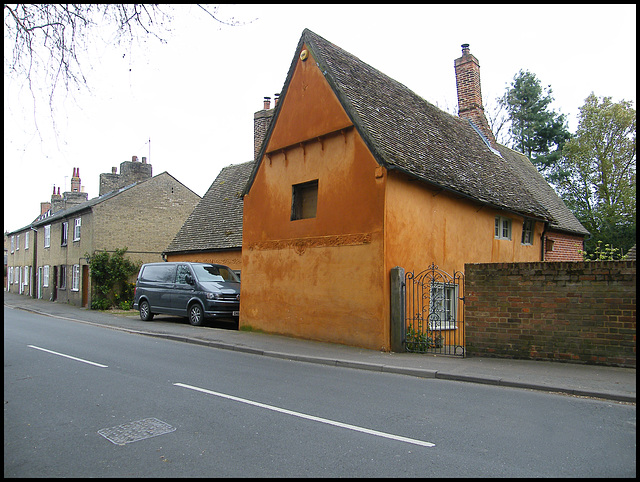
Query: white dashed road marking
{"points": [[310, 417], [68, 356]]}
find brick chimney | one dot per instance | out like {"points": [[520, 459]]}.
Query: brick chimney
{"points": [[75, 180], [470, 95], [261, 121], [44, 207]]}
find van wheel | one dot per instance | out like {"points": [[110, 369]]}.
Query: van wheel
{"points": [[145, 311], [196, 317]]}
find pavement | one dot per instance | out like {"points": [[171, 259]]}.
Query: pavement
{"points": [[603, 382]]}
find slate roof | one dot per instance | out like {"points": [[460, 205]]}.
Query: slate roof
{"points": [[216, 222], [407, 133]]}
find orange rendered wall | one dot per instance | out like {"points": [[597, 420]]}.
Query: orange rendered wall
{"points": [[321, 278], [425, 225]]}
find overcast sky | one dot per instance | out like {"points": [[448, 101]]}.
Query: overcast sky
{"points": [[194, 97]]}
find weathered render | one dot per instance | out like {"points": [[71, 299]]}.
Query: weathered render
{"points": [[392, 181]]}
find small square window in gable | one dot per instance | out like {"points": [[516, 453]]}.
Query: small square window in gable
{"points": [[304, 200]]}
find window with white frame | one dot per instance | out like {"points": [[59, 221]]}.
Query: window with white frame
{"points": [[10, 275], [443, 306], [75, 278], [47, 236], [13, 243], [26, 240], [527, 231], [25, 280], [17, 242], [65, 234], [502, 228], [76, 229], [45, 276]]}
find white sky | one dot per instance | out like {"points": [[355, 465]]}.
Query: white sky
{"points": [[195, 96]]}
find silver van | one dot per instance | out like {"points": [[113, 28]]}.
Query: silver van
{"points": [[194, 290]]}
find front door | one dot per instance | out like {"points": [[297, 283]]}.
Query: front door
{"points": [[39, 282], [54, 292], [85, 285]]}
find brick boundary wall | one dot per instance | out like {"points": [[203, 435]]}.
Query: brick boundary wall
{"points": [[581, 312]]}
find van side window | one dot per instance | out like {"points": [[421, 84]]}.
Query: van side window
{"points": [[183, 271], [159, 273]]}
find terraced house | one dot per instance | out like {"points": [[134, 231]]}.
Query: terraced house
{"points": [[357, 175], [48, 258]]}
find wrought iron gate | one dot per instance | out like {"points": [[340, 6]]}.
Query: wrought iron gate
{"points": [[434, 312]]}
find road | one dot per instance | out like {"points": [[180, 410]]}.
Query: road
{"points": [[86, 401]]}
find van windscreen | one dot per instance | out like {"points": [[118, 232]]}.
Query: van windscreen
{"points": [[212, 272]]}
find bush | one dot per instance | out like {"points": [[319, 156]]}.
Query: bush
{"points": [[110, 275], [100, 304]]}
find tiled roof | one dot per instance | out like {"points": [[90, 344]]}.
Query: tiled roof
{"points": [[407, 133], [216, 222]]}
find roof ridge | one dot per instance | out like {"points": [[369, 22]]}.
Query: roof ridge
{"points": [[407, 133]]}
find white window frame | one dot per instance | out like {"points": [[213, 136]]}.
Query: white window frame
{"points": [[26, 240], [443, 306], [25, 281], [13, 243], [75, 278], [10, 275], [45, 276], [502, 228], [77, 222], [17, 242], [47, 236]]}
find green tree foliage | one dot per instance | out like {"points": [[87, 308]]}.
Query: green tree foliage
{"points": [[535, 129], [600, 167], [110, 275]]}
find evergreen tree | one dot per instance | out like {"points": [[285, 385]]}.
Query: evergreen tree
{"points": [[600, 167], [535, 129]]}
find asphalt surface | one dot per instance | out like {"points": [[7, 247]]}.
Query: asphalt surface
{"points": [[611, 383]]}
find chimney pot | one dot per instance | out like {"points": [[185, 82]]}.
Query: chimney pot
{"points": [[267, 103], [276, 98], [134, 158], [144, 160], [465, 49]]}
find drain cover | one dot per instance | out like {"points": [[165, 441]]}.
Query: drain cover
{"points": [[134, 431]]}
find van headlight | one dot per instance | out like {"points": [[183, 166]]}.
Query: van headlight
{"points": [[213, 296]]}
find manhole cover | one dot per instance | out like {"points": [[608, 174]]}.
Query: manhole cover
{"points": [[134, 431]]}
